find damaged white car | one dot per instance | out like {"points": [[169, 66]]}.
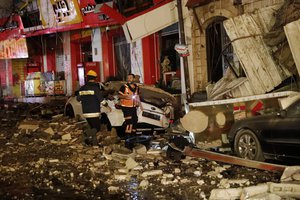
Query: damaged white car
{"points": [[155, 116]]}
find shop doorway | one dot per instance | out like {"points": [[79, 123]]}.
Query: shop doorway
{"points": [[169, 58], [219, 50], [122, 57]]}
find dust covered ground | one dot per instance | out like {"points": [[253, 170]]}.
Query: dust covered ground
{"points": [[43, 157]]}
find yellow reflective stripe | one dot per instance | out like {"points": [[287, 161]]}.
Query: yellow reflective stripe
{"points": [[87, 92], [90, 115]]}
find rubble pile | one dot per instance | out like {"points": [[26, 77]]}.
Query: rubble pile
{"points": [[47, 159]]}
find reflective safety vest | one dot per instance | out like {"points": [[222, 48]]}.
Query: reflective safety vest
{"points": [[133, 102]]}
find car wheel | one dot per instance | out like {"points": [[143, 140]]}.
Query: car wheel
{"points": [[70, 111], [247, 145]]}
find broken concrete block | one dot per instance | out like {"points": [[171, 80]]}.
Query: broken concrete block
{"points": [[66, 136], [197, 173], [130, 163], [266, 196], [144, 184], [177, 170], [53, 161], [291, 174], [27, 126], [140, 149], [49, 131], [113, 189], [152, 173], [121, 177], [225, 194], [254, 190], [285, 190]]}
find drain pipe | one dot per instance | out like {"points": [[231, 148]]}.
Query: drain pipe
{"points": [[184, 61]]}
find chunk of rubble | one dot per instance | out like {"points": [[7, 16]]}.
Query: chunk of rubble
{"points": [[152, 173], [225, 194], [140, 149], [291, 174], [130, 163], [66, 136], [113, 189], [144, 184], [265, 196], [254, 190], [49, 130], [286, 190]]}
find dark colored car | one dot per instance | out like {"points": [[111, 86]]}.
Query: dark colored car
{"points": [[274, 136]]}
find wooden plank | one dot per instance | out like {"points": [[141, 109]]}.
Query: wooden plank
{"points": [[292, 31], [198, 153], [246, 32]]}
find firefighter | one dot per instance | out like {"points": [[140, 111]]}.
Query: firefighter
{"points": [[91, 98], [129, 99]]}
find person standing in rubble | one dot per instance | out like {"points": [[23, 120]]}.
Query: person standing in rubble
{"points": [[91, 98], [129, 99]]}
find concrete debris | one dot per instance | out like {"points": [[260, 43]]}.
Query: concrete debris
{"points": [[66, 136], [144, 184], [286, 190], [152, 173], [49, 131], [225, 194], [265, 196], [291, 174], [140, 149], [54, 160], [130, 163]]}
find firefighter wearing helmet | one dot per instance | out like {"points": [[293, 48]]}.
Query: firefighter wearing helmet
{"points": [[91, 97]]}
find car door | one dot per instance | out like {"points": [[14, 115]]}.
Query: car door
{"points": [[286, 132]]}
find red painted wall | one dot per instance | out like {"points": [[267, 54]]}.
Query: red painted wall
{"points": [[51, 60], [107, 53], [149, 59], [75, 59]]}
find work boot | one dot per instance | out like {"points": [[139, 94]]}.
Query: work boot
{"points": [[89, 137]]}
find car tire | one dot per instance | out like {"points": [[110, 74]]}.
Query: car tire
{"points": [[247, 145]]}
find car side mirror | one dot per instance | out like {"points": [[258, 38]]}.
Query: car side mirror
{"points": [[282, 113]]}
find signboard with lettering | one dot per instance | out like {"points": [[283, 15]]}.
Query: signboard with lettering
{"points": [[59, 12], [13, 48]]}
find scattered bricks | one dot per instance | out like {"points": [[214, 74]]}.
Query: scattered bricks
{"points": [[285, 190], [152, 173], [225, 194], [130, 163]]}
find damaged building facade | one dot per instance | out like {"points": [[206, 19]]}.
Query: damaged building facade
{"points": [[243, 48]]}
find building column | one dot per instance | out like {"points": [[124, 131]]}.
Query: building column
{"points": [[67, 62], [108, 55], [149, 59]]}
